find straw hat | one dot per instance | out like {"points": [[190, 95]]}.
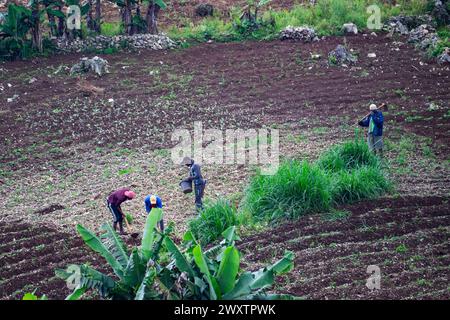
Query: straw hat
{"points": [[373, 107]]}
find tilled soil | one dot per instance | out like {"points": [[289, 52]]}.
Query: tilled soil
{"points": [[30, 254], [407, 238], [58, 142]]}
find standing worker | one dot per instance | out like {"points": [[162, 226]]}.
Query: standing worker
{"points": [[374, 121], [114, 201], [153, 201], [195, 176]]}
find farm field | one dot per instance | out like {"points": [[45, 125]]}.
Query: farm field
{"points": [[97, 143]]}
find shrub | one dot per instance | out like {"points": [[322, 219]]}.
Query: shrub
{"points": [[296, 189], [213, 220]]}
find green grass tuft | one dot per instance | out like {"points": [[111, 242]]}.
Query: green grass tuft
{"points": [[213, 220]]}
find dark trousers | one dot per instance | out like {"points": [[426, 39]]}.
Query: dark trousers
{"points": [[117, 216], [199, 191]]}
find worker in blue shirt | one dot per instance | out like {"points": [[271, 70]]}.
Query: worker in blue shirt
{"points": [[153, 201]]}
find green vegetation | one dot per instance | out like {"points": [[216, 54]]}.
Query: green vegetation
{"points": [[344, 174], [186, 273], [213, 220], [326, 16]]}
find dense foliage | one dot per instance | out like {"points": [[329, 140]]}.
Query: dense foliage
{"points": [[160, 269]]}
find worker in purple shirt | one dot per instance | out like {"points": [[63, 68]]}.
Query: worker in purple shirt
{"points": [[114, 201], [153, 201]]}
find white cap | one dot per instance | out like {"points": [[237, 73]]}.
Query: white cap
{"points": [[373, 107]]}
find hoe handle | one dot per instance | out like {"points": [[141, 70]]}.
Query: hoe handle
{"points": [[126, 222]]}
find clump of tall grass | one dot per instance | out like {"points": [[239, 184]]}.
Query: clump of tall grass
{"points": [[296, 189], [350, 155], [357, 184], [213, 220], [343, 174]]}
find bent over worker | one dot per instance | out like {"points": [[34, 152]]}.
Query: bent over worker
{"points": [[114, 201], [153, 201], [374, 121], [195, 175]]}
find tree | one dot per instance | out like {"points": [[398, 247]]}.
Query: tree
{"points": [[154, 7]]}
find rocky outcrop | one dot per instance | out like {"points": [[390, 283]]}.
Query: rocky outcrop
{"points": [[341, 56], [96, 65]]}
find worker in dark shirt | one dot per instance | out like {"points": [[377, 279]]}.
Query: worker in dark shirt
{"points": [[114, 201], [195, 175], [153, 201]]}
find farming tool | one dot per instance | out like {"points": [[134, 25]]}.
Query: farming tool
{"points": [[383, 105], [132, 234]]}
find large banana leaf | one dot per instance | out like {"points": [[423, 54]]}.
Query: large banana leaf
{"points": [[214, 289], [89, 279], [228, 269], [148, 238], [250, 283], [285, 264], [180, 260], [114, 244], [93, 242], [135, 270], [145, 290]]}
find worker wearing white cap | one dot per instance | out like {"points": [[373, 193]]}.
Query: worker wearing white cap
{"points": [[153, 201], [374, 121]]}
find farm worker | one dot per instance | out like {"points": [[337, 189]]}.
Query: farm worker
{"points": [[195, 175], [153, 201], [375, 134], [114, 201]]}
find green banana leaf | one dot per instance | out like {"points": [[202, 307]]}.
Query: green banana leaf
{"points": [[180, 260], [284, 265], [228, 269], [93, 242], [148, 238], [135, 270], [199, 258], [114, 244], [145, 290]]}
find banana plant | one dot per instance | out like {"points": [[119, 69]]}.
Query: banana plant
{"points": [[190, 273], [215, 274], [135, 272]]}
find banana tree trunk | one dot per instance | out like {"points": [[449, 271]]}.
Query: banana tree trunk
{"points": [[98, 16], [152, 17], [52, 23], [61, 24], [36, 37], [89, 18], [127, 17]]}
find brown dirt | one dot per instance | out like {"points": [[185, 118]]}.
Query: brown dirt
{"points": [[374, 234], [50, 136]]}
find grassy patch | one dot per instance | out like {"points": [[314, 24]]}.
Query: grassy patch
{"points": [[344, 174], [213, 220]]}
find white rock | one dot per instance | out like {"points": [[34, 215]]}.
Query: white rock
{"points": [[372, 55]]}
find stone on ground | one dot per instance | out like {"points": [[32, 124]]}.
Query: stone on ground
{"points": [[304, 34], [96, 64]]}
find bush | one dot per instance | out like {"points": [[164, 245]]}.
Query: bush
{"points": [[213, 220], [296, 189], [348, 156]]}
